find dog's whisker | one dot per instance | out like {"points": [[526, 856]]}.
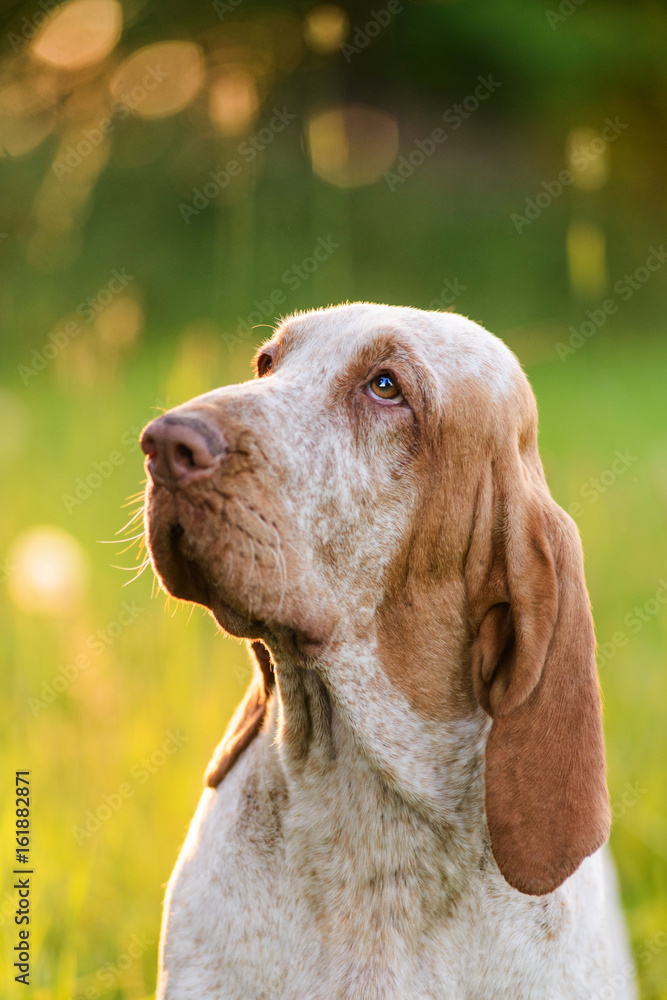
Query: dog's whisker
{"points": [[128, 525], [120, 541], [139, 573], [131, 545], [134, 497], [246, 583]]}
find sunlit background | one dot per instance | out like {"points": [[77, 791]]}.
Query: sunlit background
{"points": [[176, 176]]}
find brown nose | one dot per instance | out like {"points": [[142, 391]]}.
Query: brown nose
{"points": [[181, 449]]}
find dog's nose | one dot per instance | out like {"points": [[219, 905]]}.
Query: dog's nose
{"points": [[181, 449]]}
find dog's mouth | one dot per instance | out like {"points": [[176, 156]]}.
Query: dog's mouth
{"points": [[185, 575], [189, 561], [223, 552], [182, 571]]}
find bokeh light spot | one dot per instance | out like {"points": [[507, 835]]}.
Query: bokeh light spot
{"points": [[49, 572], [325, 28], [196, 367], [79, 33], [233, 102], [588, 156], [352, 146], [160, 79], [120, 323]]}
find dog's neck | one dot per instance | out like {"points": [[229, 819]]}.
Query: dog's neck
{"points": [[379, 801]]}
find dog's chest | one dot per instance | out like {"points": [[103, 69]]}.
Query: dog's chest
{"points": [[281, 894], [370, 875]]}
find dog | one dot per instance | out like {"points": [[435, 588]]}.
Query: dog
{"points": [[411, 801]]}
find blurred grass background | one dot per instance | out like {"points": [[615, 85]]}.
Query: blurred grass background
{"points": [[117, 744]]}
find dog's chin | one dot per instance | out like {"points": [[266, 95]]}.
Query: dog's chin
{"points": [[184, 575], [236, 623]]}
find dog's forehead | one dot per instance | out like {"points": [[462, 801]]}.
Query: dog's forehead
{"points": [[449, 346]]}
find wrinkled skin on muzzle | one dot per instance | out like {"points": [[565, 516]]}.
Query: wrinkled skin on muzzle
{"points": [[288, 530]]}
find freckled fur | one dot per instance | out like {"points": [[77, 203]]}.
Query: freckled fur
{"points": [[423, 602]]}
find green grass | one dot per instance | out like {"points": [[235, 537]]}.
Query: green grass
{"points": [[98, 901]]}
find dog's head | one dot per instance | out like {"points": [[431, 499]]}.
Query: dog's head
{"points": [[378, 481]]}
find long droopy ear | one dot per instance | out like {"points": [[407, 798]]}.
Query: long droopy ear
{"points": [[246, 721], [534, 673]]}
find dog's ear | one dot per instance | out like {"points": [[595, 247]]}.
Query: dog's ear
{"points": [[533, 661], [246, 721]]}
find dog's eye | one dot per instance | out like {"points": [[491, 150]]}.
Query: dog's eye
{"points": [[384, 386], [264, 362]]}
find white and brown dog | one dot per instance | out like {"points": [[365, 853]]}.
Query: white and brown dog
{"points": [[414, 799]]}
